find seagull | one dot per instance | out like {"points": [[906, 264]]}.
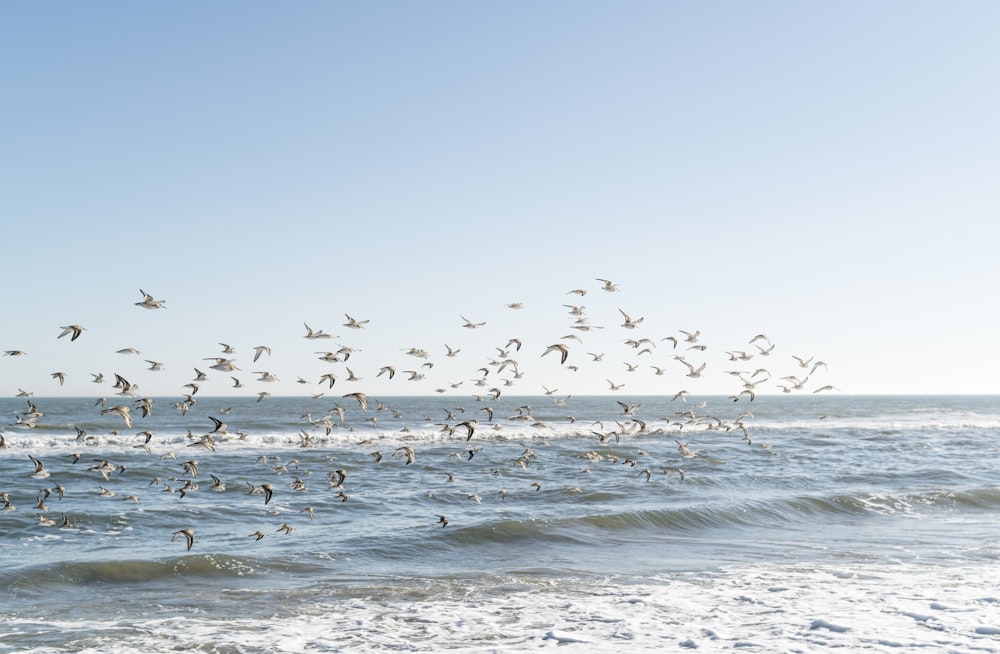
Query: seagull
{"points": [[122, 411], [562, 348], [452, 352], [629, 323], [608, 285], [691, 337], [148, 302], [39, 472], [406, 451], [354, 324], [75, 330], [61, 376], [692, 371], [361, 398], [471, 325], [260, 349], [188, 534], [310, 334]]}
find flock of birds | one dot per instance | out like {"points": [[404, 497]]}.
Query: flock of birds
{"points": [[498, 373]]}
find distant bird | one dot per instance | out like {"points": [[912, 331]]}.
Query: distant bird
{"points": [[122, 411], [260, 349], [562, 348], [452, 352], [40, 471], [407, 452], [148, 302], [75, 330], [310, 334], [443, 520], [354, 324], [629, 322], [188, 534], [61, 376], [98, 378], [14, 353], [128, 350], [609, 286], [361, 398], [471, 325]]}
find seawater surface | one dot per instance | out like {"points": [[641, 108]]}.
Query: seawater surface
{"points": [[866, 523]]}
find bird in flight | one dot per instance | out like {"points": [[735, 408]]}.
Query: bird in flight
{"points": [[148, 302], [75, 330]]}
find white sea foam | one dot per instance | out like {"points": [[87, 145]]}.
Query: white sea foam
{"points": [[765, 608]]}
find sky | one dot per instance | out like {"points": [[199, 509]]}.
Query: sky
{"points": [[822, 173]]}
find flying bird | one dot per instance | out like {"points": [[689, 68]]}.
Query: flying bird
{"points": [[75, 330], [188, 534], [148, 302], [562, 348]]}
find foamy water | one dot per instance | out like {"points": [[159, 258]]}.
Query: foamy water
{"points": [[857, 524]]}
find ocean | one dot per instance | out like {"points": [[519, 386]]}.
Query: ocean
{"points": [[791, 523]]}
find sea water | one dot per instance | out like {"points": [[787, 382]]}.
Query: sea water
{"points": [[790, 523]]}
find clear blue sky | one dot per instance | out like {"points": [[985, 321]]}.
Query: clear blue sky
{"points": [[825, 173]]}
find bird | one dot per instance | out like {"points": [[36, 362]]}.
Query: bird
{"points": [[260, 349], [443, 520], [406, 451], [361, 398], [61, 376], [469, 324], [75, 330], [562, 348], [629, 322], [354, 324], [148, 302], [188, 534], [122, 411], [39, 472], [608, 286], [313, 335]]}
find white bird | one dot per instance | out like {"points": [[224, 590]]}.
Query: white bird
{"points": [[148, 302], [355, 324], [471, 325], [629, 323], [75, 330], [310, 334], [260, 349], [562, 348], [122, 411], [608, 285]]}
